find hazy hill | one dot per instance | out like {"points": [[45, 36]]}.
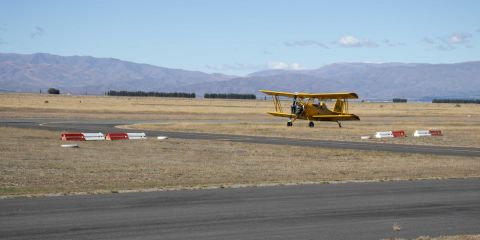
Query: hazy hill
{"points": [[77, 74], [372, 81]]}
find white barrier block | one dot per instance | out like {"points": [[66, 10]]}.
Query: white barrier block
{"points": [[365, 137], [70, 145], [387, 134], [136, 136], [162, 137], [94, 136], [422, 133]]}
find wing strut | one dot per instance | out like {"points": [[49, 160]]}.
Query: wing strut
{"points": [[277, 103]]}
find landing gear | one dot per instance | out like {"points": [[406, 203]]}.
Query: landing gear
{"points": [[339, 124], [289, 124], [311, 124]]}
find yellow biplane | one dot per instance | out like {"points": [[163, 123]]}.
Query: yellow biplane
{"points": [[308, 106]]}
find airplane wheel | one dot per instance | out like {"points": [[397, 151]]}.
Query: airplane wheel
{"points": [[311, 124], [289, 124]]}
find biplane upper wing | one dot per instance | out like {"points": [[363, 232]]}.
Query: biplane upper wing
{"points": [[282, 94], [341, 95]]}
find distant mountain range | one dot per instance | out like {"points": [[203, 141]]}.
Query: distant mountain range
{"points": [[80, 74]]}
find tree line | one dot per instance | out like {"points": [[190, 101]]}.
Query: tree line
{"points": [[150, 94], [52, 91], [399, 100], [230, 96], [455, 100]]}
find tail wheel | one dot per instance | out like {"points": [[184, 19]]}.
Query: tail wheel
{"points": [[289, 124], [311, 124]]}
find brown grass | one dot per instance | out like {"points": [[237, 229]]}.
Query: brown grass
{"points": [[33, 163], [21, 105], [461, 125]]}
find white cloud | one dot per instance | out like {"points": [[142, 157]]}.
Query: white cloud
{"points": [[459, 38], [450, 42], [235, 67], [284, 66], [351, 41], [348, 41], [254, 67]]}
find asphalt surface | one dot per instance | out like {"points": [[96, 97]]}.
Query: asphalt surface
{"points": [[109, 126], [328, 211]]}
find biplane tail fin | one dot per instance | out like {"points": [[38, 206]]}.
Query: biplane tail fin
{"points": [[340, 106]]}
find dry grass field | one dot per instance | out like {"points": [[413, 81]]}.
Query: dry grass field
{"points": [[459, 123], [32, 161]]}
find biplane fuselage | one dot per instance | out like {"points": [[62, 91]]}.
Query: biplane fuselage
{"points": [[310, 107]]}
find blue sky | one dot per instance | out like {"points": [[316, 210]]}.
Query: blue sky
{"points": [[243, 36]]}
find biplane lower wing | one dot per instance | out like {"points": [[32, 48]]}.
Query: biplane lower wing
{"points": [[343, 117], [282, 114]]}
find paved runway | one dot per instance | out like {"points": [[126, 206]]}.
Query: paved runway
{"points": [[328, 211], [109, 126]]}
